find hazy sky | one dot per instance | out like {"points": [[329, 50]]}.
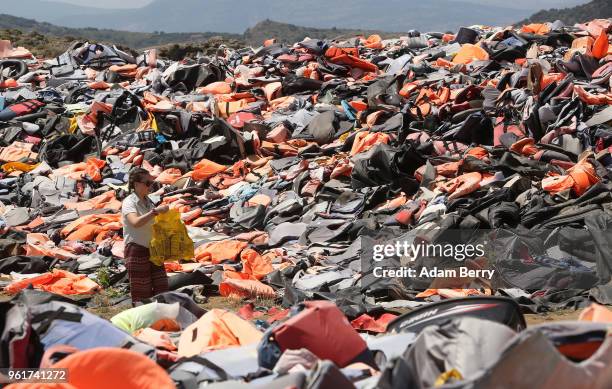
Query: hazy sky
{"points": [[528, 4], [109, 3]]}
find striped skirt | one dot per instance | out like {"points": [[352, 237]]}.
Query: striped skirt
{"points": [[146, 279]]}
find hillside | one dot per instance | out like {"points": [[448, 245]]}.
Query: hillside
{"points": [[41, 45], [289, 33], [136, 40], [45, 39], [578, 14], [48, 11]]}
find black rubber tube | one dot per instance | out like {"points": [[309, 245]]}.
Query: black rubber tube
{"points": [[20, 67]]}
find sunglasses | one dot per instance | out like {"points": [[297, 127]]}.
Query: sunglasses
{"points": [[147, 183]]}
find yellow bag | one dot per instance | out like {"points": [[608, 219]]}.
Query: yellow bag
{"points": [[170, 241]]}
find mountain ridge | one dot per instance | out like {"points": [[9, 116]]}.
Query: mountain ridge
{"points": [[596, 9], [46, 39]]}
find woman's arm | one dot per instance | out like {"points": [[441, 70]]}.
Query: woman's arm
{"points": [[139, 221]]}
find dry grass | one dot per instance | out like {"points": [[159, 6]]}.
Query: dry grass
{"points": [[42, 46], [567, 314], [104, 309], [220, 302], [106, 312]]}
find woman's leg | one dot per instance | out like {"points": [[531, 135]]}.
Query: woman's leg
{"points": [[139, 272], [159, 279]]}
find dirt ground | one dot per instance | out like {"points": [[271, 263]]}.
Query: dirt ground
{"points": [[212, 303], [568, 314], [233, 305]]}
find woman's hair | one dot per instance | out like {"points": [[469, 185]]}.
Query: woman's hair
{"points": [[137, 175]]}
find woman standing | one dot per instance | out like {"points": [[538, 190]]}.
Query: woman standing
{"points": [[138, 213]]}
